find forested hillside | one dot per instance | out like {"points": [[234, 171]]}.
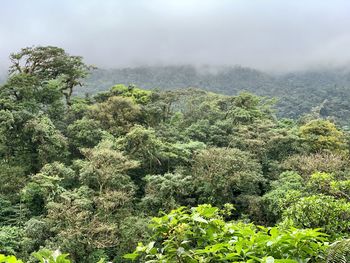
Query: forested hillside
{"points": [[180, 175], [297, 93]]}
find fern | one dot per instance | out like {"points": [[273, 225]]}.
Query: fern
{"points": [[339, 252]]}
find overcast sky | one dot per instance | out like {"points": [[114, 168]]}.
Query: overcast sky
{"points": [[264, 34]]}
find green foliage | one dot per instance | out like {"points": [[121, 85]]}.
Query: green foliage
{"points": [[47, 63], [325, 90], [46, 256], [86, 220], [320, 211], [84, 174], [339, 252], [166, 192], [77, 110], [84, 133], [11, 239], [133, 230], [11, 213], [48, 143], [12, 179], [9, 259], [143, 144], [221, 174], [284, 191], [321, 135], [46, 185], [139, 96], [106, 167], [307, 164], [116, 115], [201, 235]]}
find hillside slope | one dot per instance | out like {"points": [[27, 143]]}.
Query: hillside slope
{"points": [[297, 93]]}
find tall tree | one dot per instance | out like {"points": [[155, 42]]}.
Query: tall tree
{"points": [[48, 63]]}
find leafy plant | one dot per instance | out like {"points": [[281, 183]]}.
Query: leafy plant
{"points": [[320, 211], [47, 256], [201, 234], [9, 259]]}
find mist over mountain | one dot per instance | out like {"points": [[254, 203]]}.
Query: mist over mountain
{"points": [[285, 47], [326, 90], [297, 92]]}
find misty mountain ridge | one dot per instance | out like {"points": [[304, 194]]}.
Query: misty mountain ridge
{"points": [[297, 92]]}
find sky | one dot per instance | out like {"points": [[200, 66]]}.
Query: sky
{"points": [[270, 35]]}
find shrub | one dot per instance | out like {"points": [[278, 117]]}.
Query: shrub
{"points": [[201, 234]]}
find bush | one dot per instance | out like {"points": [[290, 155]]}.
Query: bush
{"points": [[320, 211], [200, 234]]}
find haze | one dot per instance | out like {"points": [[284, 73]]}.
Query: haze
{"points": [[267, 35]]}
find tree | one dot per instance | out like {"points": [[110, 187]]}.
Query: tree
{"points": [[156, 155], [47, 63], [222, 174], [47, 185], [116, 115], [11, 240], [166, 192], [248, 108], [87, 219], [286, 190], [84, 133], [106, 168], [320, 211], [46, 143], [322, 135], [307, 164], [139, 96], [30, 140]]}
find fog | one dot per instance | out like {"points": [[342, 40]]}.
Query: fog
{"points": [[268, 35]]}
